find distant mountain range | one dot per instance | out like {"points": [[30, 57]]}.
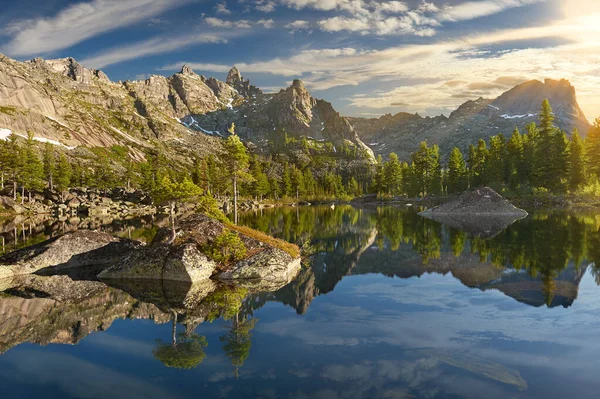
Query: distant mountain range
{"points": [[481, 118], [68, 105], [71, 106]]}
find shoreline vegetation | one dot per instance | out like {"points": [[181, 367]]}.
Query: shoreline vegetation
{"points": [[540, 168]]}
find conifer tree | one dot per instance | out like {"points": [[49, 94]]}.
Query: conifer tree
{"points": [[237, 161], [497, 157], [577, 176], [457, 172], [14, 162], [435, 166], [393, 175], [172, 192], [309, 183], [422, 167], [542, 167], [32, 170], [515, 162], [593, 149], [63, 175], [286, 181], [49, 164]]}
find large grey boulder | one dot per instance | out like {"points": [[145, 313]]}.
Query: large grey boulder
{"points": [[73, 250], [10, 205]]}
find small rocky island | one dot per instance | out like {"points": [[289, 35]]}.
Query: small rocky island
{"points": [[483, 213], [201, 249]]}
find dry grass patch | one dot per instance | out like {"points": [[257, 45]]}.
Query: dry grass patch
{"points": [[291, 249]]}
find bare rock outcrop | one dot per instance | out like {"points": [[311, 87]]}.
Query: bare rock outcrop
{"points": [[77, 249], [186, 259], [482, 212]]}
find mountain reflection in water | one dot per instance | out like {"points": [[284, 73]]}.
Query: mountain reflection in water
{"points": [[430, 311]]}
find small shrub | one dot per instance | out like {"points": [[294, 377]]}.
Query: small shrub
{"points": [[541, 191], [209, 206], [226, 248]]}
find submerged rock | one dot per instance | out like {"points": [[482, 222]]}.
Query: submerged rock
{"points": [[482, 212], [73, 250], [185, 259]]}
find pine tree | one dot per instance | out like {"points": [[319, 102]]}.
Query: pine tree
{"points": [[297, 182], [478, 157], [49, 164], [171, 192], [514, 149], [63, 175], [14, 162], [543, 156], [238, 161], [497, 157], [393, 175], [309, 183], [422, 167], [286, 182], [457, 172], [353, 187], [379, 184], [577, 176], [32, 170], [593, 149], [435, 186]]}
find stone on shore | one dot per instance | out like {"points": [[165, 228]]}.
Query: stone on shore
{"points": [[481, 202], [483, 213], [73, 250]]}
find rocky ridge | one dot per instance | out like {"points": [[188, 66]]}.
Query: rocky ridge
{"points": [[474, 120], [73, 107]]}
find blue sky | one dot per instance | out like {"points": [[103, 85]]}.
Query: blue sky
{"points": [[367, 57]]}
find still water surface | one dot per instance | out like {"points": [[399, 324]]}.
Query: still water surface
{"points": [[390, 305]]}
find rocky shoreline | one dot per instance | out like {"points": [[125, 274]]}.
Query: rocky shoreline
{"points": [[119, 203]]}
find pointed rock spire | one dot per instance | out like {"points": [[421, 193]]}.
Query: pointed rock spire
{"points": [[186, 70], [234, 77]]}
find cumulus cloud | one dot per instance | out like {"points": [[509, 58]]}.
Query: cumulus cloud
{"points": [[221, 8], [265, 6], [266, 23], [80, 22], [373, 17]]}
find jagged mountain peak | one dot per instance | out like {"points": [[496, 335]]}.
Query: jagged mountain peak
{"points": [[187, 70], [70, 68], [476, 119], [234, 77]]}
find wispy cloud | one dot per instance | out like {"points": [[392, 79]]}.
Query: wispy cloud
{"points": [[80, 22], [158, 45], [476, 9]]}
